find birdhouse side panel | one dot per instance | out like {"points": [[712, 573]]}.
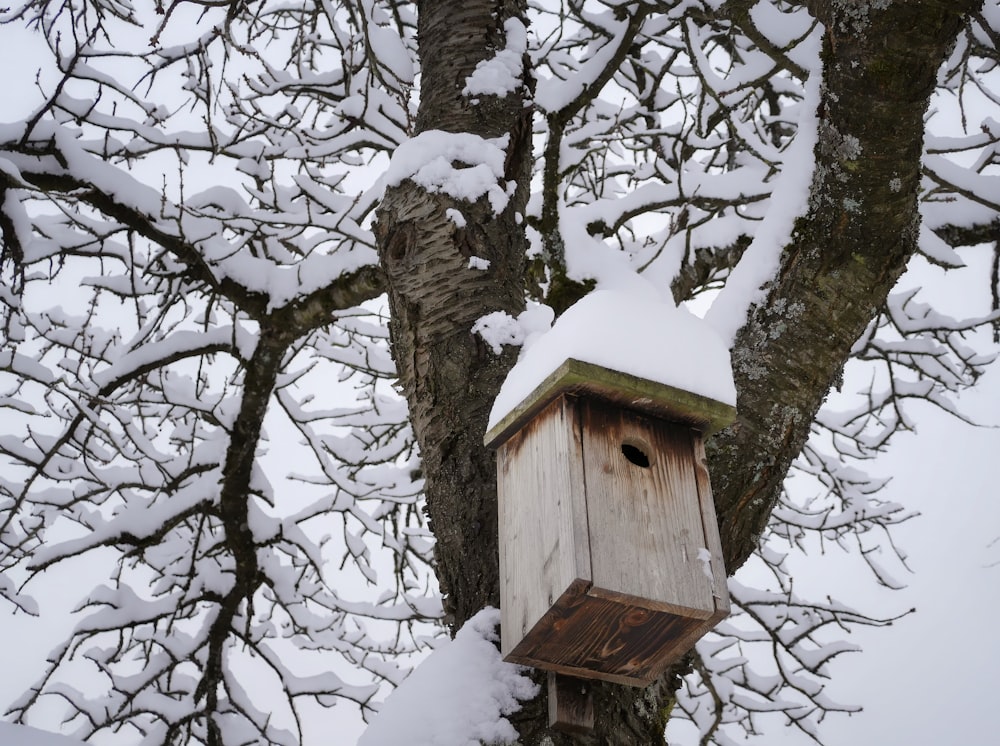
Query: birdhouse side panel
{"points": [[646, 525], [542, 519], [710, 523]]}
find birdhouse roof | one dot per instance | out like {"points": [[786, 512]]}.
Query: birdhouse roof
{"points": [[651, 397], [632, 348]]}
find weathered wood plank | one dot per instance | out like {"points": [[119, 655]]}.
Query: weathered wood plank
{"points": [[602, 518], [597, 638], [542, 519], [645, 523], [710, 525], [571, 704]]}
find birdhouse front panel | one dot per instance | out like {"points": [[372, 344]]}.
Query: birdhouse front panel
{"points": [[645, 525], [611, 565]]}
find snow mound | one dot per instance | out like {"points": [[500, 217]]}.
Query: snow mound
{"points": [[457, 697]]}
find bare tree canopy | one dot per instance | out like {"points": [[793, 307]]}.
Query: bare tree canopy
{"points": [[265, 266]]}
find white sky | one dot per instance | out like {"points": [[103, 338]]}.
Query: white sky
{"points": [[930, 679], [16, 735]]}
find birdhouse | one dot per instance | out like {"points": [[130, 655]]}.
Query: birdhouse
{"points": [[610, 561]]}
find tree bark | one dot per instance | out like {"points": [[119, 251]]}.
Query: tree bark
{"points": [[845, 255], [879, 71], [450, 377]]}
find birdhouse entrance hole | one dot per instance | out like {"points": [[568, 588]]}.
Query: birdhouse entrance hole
{"points": [[636, 452]]}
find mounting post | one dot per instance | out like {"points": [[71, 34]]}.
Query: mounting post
{"points": [[571, 704]]}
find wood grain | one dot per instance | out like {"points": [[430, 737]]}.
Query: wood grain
{"points": [[710, 524], [542, 519], [646, 526], [571, 704], [599, 545], [598, 638]]}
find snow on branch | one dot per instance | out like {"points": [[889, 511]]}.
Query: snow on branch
{"points": [[727, 690], [183, 219], [187, 205]]}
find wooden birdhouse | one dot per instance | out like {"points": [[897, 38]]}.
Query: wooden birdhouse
{"points": [[610, 561]]}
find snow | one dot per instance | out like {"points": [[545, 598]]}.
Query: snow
{"points": [[974, 186], [556, 93], [391, 53], [179, 344], [789, 200], [458, 164], [22, 735], [497, 329], [500, 328], [780, 27], [458, 696], [935, 249], [197, 221], [705, 558], [634, 332], [501, 74], [456, 217]]}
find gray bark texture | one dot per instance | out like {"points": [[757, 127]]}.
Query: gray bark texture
{"points": [[450, 377], [880, 63], [846, 253]]}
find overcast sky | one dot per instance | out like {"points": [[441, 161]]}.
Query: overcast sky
{"points": [[930, 679]]}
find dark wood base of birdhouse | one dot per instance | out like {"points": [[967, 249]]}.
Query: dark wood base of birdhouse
{"points": [[595, 634]]}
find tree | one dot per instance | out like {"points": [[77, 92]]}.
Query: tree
{"points": [[201, 221]]}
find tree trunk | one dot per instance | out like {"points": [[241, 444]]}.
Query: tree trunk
{"points": [[845, 255], [879, 71], [450, 376]]}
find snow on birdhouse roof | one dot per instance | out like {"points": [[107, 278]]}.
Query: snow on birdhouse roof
{"points": [[630, 347]]}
